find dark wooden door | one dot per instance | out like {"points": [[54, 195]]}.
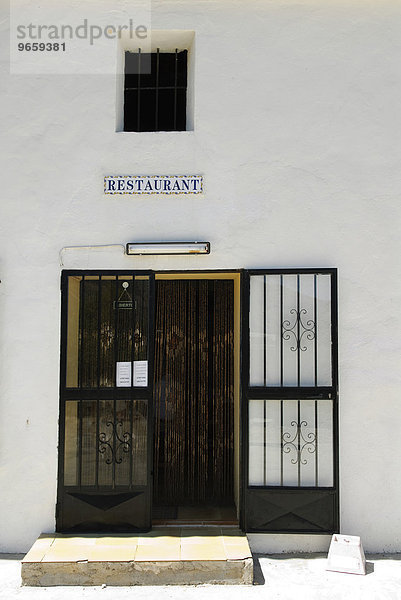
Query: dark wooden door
{"points": [[193, 390], [106, 414]]}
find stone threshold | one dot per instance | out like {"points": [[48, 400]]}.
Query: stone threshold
{"points": [[164, 556]]}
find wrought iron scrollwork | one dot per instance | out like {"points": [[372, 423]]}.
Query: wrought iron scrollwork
{"points": [[114, 444], [299, 443], [299, 330]]}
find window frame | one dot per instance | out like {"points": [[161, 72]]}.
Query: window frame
{"points": [[138, 85], [167, 41]]}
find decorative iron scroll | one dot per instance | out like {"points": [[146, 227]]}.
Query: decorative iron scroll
{"points": [[113, 444], [299, 443], [298, 329]]}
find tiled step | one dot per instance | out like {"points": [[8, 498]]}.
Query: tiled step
{"points": [[164, 556]]}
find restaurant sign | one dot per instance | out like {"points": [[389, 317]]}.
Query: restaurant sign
{"points": [[153, 184]]}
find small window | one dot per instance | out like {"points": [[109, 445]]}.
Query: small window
{"points": [[155, 91]]}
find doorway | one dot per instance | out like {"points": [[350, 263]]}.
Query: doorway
{"points": [[280, 471], [194, 401], [112, 464]]}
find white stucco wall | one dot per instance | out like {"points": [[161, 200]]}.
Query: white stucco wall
{"points": [[297, 133]]}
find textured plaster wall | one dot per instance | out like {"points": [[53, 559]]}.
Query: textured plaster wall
{"points": [[297, 133]]}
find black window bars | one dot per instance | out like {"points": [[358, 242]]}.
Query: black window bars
{"points": [[155, 91]]}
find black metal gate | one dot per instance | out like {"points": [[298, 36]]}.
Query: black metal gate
{"points": [[106, 412], [290, 395]]}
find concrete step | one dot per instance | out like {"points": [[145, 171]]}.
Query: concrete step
{"points": [[164, 556]]}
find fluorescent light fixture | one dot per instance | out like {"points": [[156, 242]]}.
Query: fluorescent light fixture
{"points": [[153, 248]]}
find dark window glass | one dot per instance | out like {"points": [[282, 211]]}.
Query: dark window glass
{"points": [[155, 90]]}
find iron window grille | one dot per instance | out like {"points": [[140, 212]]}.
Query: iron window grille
{"points": [[155, 91]]}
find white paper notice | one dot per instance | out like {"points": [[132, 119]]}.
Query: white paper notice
{"points": [[123, 374], [140, 373]]}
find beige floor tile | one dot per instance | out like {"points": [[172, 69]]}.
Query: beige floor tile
{"points": [[127, 541], [166, 542], [159, 541], [71, 546], [39, 549], [201, 540], [235, 541], [238, 539], [208, 551], [240, 547], [157, 553], [91, 548], [236, 546], [164, 545], [74, 542], [236, 552], [62, 555], [112, 554]]}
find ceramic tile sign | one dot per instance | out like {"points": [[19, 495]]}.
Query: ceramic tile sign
{"points": [[153, 184]]}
